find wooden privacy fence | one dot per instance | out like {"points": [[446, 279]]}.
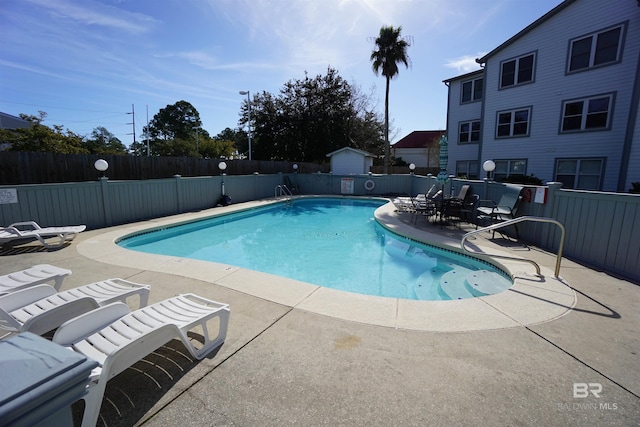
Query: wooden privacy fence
{"points": [[19, 167], [603, 229]]}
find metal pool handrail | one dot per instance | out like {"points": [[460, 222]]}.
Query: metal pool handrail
{"points": [[282, 190], [516, 221]]}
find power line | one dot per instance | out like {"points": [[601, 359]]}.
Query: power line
{"points": [[62, 108], [95, 120]]}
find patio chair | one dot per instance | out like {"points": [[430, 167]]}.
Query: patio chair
{"points": [[36, 275], [462, 194], [117, 338], [407, 204], [468, 212], [30, 230], [426, 207], [504, 210], [40, 309], [403, 204]]}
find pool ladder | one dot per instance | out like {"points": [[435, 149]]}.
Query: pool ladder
{"points": [[282, 190], [516, 221]]}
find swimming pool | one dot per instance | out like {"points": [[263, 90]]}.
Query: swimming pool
{"points": [[330, 242]]}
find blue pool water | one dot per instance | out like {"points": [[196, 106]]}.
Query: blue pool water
{"points": [[335, 243]]}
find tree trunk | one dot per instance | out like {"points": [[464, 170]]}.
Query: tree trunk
{"points": [[386, 129]]}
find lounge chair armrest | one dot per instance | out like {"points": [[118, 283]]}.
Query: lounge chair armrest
{"points": [[504, 209], [87, 324], [486, 203]]}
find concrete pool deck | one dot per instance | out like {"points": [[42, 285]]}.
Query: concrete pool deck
{"points": [[300, 354]]}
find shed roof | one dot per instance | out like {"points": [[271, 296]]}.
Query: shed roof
{"points": [[419, 139], [364, 153]]}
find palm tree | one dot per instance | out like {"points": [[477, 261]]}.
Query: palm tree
{"points": [[391, 49]]}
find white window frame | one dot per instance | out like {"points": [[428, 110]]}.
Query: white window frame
{"points": [[516, 80], [474, 91], [513, 123], [584, 115], [512, 168], [468, 168], [469, 140], [593, 48], [577, 174]]}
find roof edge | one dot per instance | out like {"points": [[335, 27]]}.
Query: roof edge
{"points": [[527, 29]]}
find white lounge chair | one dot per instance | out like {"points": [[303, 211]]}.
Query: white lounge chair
{"points": [[29, 230], [117, 338], [36, 275], [40, 309]]}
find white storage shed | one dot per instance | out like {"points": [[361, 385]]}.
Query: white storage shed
{"points": [[350, 161]]}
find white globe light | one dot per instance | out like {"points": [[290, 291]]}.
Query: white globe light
{"points": [[222, 166], [412, 166], [101, 165], [489, 166]]}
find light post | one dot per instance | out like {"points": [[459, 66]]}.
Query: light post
{"points": [[412, 168], [101, 165], [246, 92], [196, 129], [222, 166], [489, 166]]}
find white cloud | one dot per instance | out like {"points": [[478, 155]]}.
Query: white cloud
{"points": [[93, 13], [466, 63]]}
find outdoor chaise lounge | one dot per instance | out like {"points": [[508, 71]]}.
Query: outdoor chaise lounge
{"points": [[36, 275], [117, 338], [408, 200], [40, 309], [30, 230], [504, 210]]}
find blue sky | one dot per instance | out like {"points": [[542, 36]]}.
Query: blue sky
{"points": [[87, 62]]}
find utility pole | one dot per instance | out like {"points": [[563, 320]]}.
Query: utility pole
{"points": [[146, 131], [133, 123], [196, 129]]}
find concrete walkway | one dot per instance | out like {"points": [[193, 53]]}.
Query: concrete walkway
{"points": [[300, 354]]}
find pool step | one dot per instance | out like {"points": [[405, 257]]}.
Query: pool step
{"points": [[424, 286], [487, 282], [452, 283]]}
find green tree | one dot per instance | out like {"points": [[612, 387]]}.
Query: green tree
{"points": [[104, 142], [213, 148], [172, 131], [238, 138], [390, 50], [310, 118], [41, 138]]}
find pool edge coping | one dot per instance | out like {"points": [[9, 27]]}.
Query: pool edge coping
{"points": [[531, 300]]}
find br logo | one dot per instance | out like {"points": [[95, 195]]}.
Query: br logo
{"points": [[582, 390]]}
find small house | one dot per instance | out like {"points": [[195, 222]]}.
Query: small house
{"points": [[420, 147], [350, 161]]}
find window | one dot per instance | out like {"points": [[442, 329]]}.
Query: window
{"points": [[507, 168], [601, 48], [517, 71], [472, 90], [593, 113], [513, 123], [580, 174], [469, 132], [467, 169]]}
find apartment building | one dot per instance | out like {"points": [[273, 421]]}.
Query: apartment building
{"points": [[559, 100]]}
